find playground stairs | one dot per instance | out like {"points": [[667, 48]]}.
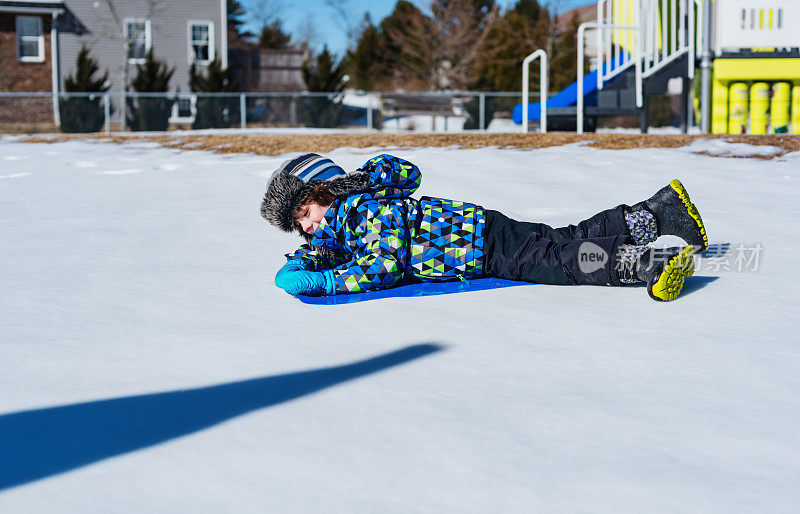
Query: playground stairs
{"points": [[618, 98]]}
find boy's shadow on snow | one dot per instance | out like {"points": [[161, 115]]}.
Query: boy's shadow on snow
{"points": [[39, 443]]}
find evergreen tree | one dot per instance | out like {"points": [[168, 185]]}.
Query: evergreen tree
{"points": [[520, 31], [529, 9], [490, 106], [324, 76], [236, 12], [396, 48], [83, 114], [364, 63], [150, 113], [273, 37], [563, 64], [214, 112]]}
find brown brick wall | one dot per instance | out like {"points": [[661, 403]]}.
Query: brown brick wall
{"points": [[18, 76], [26, 114]]}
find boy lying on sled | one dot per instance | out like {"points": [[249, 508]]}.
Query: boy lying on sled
{"points": [[364, 231]]}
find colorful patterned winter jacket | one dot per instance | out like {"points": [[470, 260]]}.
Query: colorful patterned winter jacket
{"points": [[383, 235]]}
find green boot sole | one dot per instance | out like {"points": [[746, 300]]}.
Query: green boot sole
{"points": [[690, 207], [667, 285]]}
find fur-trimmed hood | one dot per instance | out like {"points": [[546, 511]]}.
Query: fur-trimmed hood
{"points": [[286, 192]]}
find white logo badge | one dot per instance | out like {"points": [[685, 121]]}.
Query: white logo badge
{"points": [[591, 257]]}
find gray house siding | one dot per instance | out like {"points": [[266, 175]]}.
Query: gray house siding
{"points": [[91, 23]]}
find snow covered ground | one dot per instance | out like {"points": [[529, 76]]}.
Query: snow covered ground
{"points": [[149, 364]]}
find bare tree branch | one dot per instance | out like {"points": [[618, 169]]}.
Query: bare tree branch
{"points": [[344, 13], [307, 34], [442, 50], [265, 12]]}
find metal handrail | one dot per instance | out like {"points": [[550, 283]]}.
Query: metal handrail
{"points": [[606, 46], [581, 29], [649, 59], [542, 55], [636, 62]]}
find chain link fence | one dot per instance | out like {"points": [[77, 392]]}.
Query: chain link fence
{"points": [[115, 112]]}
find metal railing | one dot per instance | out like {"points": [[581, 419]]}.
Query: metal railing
{"points": [[629, 34], [542, 56], [613, 68], [115, 111], [629, 31]]}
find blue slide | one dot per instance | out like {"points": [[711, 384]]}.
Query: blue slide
{"points": [[568, 96]]}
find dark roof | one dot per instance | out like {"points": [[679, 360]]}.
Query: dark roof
{"points": [[30, 6]]}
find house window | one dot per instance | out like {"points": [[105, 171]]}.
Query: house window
{"points": [[30, 41], [201, 42], [137, 32], [184, 110]]}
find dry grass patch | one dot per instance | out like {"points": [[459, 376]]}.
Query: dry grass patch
{"points": [[276, 144]]}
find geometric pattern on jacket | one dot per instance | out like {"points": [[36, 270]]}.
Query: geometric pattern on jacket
{"points": [[382, 235], [449, 239]]}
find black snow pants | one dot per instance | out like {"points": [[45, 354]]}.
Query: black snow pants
{"points": [[585, 253]]}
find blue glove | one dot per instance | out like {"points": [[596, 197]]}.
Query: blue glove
{"points": [[293, 265], [295, 280]]}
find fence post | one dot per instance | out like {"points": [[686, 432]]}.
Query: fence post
{"points": [[293, 111], [379, 109], [243, 110], [369, 112], [122, 109], [481, 111], [107, 112], [56, 109]]}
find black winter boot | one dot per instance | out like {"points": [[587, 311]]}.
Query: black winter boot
{"points": [[676, 215], [664, 271]]}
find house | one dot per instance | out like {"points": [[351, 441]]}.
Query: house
{"points": [[26, 59], [40, 40]]}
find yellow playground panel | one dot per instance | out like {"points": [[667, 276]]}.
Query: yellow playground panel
{"points": [[755, 46], [756, 84], [663, 15], [762, 91]]}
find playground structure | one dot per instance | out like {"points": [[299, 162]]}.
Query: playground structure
{"points": [[756, 77], [645, 45]]}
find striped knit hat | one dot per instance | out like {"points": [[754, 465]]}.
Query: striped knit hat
{"points": [[310, 166], [291, 183]]}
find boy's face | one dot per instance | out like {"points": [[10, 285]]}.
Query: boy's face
{"points": [[308, 216]]}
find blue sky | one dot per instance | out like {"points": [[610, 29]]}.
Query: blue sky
{"points": [[329, 29]]}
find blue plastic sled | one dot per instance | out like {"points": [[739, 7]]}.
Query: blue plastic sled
{"points": [[414, 289]]}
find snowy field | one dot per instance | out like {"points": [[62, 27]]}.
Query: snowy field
{"points": [[149, 364]]}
